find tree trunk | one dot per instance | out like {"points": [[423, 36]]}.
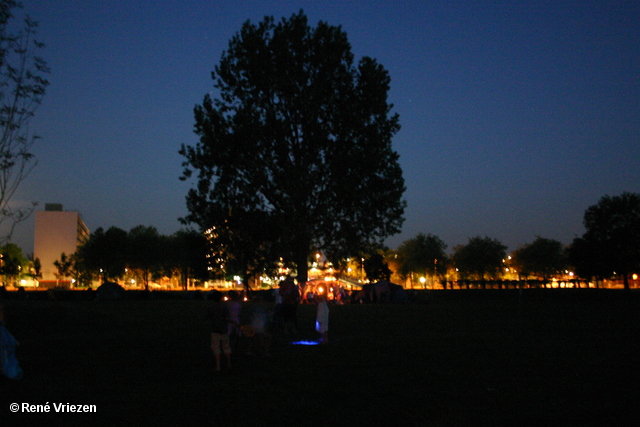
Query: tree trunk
{"points": [[300, 255], [246, 282], [185, 279], [301, 265]]}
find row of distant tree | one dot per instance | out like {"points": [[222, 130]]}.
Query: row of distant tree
{"points": [[481, 259], [142, 253], [609, 247]]}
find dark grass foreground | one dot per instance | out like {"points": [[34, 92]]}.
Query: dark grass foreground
{"points": [[549, 357]]}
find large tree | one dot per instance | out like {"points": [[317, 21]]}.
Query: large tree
{"points": [[104, 254], [482, 258], [543, 258], [146, 252], [300, 139], [424, 255], [188, 256], [586, 260], [22, 86], [612, 239]]}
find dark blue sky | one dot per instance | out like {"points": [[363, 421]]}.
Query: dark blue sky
{"points": [[516, 115]]}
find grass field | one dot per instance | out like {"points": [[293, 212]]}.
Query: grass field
{"points": [[545, 357]]}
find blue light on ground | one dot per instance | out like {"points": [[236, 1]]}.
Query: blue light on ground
{"points": [[305, 343]]}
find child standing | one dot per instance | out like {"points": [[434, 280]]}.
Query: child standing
{"points": [[322, 318], [218, 316], [261, 341], [234, 306]]}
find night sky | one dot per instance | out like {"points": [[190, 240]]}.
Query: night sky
{"points": [[516, 115]]}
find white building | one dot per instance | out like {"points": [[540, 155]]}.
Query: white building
{"points": [[56, 232]]}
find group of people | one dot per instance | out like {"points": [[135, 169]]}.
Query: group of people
{"points": [[289, 294], [226, 326], [331, 291]]}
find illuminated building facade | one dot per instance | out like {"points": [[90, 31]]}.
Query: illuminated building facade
{"points": [[56, 231]]}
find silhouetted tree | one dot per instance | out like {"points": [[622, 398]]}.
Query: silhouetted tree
{"points": [[105, 253], [242, 242], [64, 267], [13, 262], [424, 255], [543, 258], [376, 268], [22, 87], [300, 139], [145, 252], [36, 272], [188, 255], [612, 238], [481, 258], [587, 260]]}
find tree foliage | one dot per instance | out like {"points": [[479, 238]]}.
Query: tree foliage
{"points": [[482, 258], [105, 253], [543, 258], [611, 243], [376, 268], [188, 252], [424, 255], [586, 261], [22, 87], [298, 142], [12, 262], [144, 253], [243, 244], [64, 267]]}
